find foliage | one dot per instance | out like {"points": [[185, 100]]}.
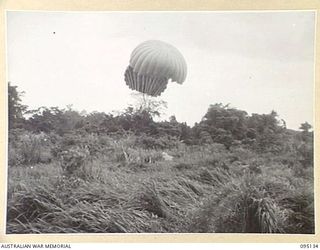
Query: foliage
{"points": [[27, 148], [128, 188], [148, 104], [53, 119], [226, 125], [72, 172], [305, 127], [16, 109]]}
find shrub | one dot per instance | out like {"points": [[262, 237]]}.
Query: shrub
{"points": [[27, 148], [157, 143], [14, 156], [73, 161]]}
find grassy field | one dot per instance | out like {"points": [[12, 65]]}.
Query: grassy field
{"points": [[117, 185]]}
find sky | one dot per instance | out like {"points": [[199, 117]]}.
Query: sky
{"points": [[254, 61]]}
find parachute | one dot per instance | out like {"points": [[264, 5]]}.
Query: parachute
{"points": [[152, 64]]}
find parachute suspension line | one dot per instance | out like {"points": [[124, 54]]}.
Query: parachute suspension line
{"points": [[148, 85]]}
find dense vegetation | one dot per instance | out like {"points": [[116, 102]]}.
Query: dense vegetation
{"points": [[72, 172]]}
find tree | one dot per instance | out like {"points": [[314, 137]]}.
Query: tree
{"points": [[151, 105], [306, 135], [173, 119], [224, 124], [16, 109], [54, 119], [305, 127], [266, 131], [186, 133]]}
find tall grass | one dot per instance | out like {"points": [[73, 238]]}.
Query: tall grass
{"points": [[118, 186]]}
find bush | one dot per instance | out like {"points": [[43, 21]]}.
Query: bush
{"points": [[157, 143], [27, 148], [73, 161]]}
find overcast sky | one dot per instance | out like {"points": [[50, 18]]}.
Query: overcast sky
{"points": [[256, 61]]}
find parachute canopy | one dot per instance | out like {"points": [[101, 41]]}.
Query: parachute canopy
{"points": [[152, 64]]}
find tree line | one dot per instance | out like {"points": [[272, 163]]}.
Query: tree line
{"points": [[220, 124]]}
